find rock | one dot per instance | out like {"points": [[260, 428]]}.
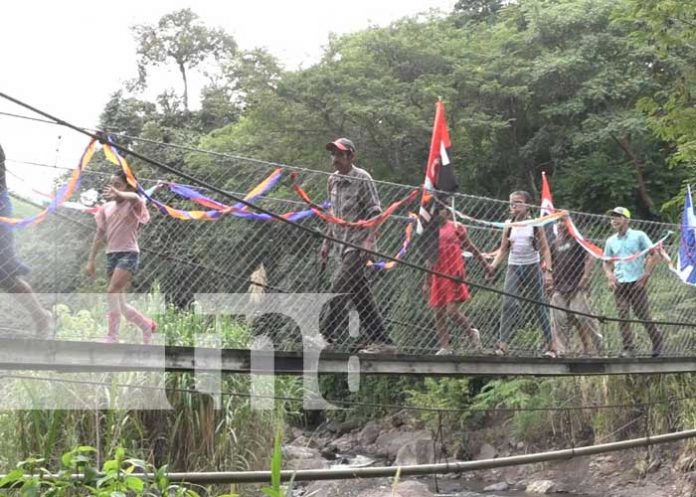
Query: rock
{"points": [[416, 452], [329, 453], [403, 489], [332, 426], [302, 441], [497, 487], [379, 487], [347, 427], [486, 451], [296, 433], [296, 458], [653, 466], [389, 443], [520, 445], [369, 434], [344, 444], [540, 487], [398, 419], [297, 452]]}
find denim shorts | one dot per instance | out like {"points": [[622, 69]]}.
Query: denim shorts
{"points": [[128, 261], [10, 265]]}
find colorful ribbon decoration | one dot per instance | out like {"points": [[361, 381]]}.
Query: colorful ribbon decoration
{"points": [[62, 195], [539, 221], [261, 189], [113, 156], [243, 212], [598, 252], [218, 209], [591, 248], [363, 223], [183, 215], [85, 208], [387, 265]]}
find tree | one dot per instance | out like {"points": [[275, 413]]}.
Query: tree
{"points": [[670, 26], [478, 10], [179, 37]]}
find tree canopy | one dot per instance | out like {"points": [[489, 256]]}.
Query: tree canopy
{"points": [[598, 94]]}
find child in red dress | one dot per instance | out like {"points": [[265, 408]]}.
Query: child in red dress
{"points": [[444, 295]]}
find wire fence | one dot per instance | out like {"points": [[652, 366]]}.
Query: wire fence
{"points": [[406, 306]]}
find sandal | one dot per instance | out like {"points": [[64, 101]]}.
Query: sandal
{"points": [[551, 354], [476, 339]]}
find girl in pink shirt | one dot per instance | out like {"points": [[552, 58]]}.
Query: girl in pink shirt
{"points": [[118, 222]]}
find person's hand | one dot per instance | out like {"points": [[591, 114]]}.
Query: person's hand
{"points": [[548, 282], [613, 282], [370, 241], [643, 280], [110, 193], [490, 272], [324, 252], [90, 269]]}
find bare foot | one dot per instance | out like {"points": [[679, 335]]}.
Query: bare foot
{"points": [[43, 324]]}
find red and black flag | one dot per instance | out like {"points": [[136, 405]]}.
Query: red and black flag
{"points": [[439, 183]]}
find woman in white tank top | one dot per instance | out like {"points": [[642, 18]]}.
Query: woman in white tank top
{"points": [[525, 247]]}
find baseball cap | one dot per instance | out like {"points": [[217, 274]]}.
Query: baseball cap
{"points": [[341, 144], [620, 211]]}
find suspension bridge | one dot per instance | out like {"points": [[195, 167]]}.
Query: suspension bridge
{"points": [[269, 244]]}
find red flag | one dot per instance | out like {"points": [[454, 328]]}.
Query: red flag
{"points": [[547, 206], [438, 159], [439, 173], [546, 198]]}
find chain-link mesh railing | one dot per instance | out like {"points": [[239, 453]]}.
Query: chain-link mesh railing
{"points": [[421, 313]]}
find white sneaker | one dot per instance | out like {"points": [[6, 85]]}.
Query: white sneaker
{"points": [[379, 348], [444, 351]]}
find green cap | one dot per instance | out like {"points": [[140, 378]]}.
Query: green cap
{"points": [[619, 211]]}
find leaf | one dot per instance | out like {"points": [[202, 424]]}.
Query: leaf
{"points": [[277, 461], [12, 477], [31, 491], [134, 483]]}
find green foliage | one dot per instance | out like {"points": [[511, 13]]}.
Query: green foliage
{"points": [[119, 476], [669, 26], [442, 393]]}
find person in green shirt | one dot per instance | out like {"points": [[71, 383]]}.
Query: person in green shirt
{"points": [[629, 279]]}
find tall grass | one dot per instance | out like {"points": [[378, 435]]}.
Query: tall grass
{"points": [[192, 436]]}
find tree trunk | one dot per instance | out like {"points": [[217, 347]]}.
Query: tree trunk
{"points": [[638, 166], [182, 69]]}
